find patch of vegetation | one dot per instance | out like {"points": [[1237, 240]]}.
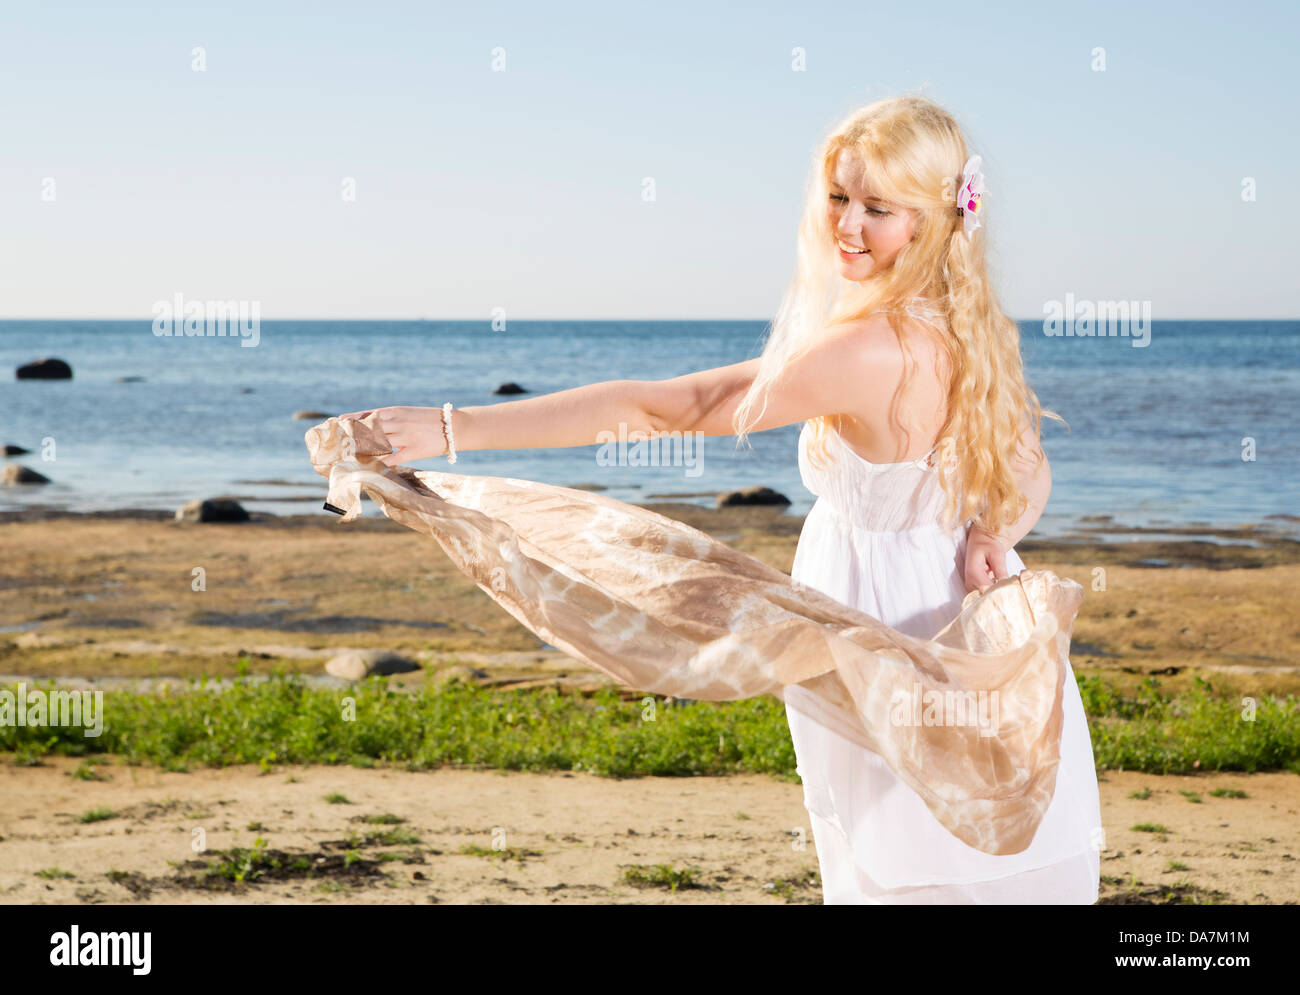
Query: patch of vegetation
{"points": [[383, 819], [97, 815], [1150, 827], [87, 771], [1179, 893], [54, 874], [1198, 730], [1228, 793], [337, 798], [505, 853], [804, 888], [662, 876], [238, 868], [283, 721], [1142, 794]]}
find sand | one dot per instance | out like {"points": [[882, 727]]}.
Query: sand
{"points": [[564, 838]]}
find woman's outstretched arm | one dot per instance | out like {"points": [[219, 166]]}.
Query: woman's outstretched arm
{"points": [[826, 380]]}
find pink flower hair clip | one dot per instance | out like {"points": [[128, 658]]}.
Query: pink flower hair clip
{"points": [[969, 193]]}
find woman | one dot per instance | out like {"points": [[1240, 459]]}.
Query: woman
{"points": [[921, 440]]}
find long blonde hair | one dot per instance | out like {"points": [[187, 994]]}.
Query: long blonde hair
{"points": [[913, 153]]}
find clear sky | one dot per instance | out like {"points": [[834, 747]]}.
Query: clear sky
{"points": [[522, 189]]}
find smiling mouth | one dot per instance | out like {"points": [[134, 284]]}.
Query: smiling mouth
{"points": [[852, 250]]}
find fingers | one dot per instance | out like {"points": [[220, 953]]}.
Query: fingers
{"points": [[979, 573], [997, 560]]}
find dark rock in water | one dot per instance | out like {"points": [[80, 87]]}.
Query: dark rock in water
{"points": [[12, 450], [311, 414], [212, 510], [16, 473], [246, 390], [131, 379], [45, 368], [356, 665], [510, 387], [751, 495]]}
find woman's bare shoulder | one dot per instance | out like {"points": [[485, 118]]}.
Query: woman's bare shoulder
{"points": [[878, 341]]}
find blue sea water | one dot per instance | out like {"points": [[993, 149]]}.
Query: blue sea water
{"points": [[1157, 433]]}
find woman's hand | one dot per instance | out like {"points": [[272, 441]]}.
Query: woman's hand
{"points": [[414, 433], [986, 559]]}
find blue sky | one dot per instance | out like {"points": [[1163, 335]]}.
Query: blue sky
{"points": [[522, 189]]}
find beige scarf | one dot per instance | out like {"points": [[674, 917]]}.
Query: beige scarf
{"points": [[970, 720]]}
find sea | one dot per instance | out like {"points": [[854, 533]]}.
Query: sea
{"points": [[1196, 425]]}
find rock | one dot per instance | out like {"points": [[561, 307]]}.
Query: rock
{"points": [[458, 672], [12, 450], [355, 665], [16, 473], [246, 390], [46, 640], [314, 415], [510, 387], [212, 510], [45, 368], [751, 495], [130, 379]]}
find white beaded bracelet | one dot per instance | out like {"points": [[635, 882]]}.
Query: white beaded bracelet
{"points": [[446, 430]]}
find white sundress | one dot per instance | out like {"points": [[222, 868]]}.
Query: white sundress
{"points": [[874, 540]]}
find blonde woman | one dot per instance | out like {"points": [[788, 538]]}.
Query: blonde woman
{"points": [[921, 440]]}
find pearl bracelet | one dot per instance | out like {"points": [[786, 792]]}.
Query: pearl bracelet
{"points": [[446, 431]]}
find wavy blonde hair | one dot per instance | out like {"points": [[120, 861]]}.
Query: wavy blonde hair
{"points": [[913, 153]]}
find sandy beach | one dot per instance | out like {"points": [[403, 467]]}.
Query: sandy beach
{"points": [[112, 598], [561, 837]]}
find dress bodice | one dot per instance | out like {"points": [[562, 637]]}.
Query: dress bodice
{"points": [[877, 497]]}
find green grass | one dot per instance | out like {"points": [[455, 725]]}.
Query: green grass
{"points": [[392, 837], [1150, 827], [54, 874], [97, 815], [282, 721], [506, 853], [1227, 793], [662, 876], [337, 798], [1141, 794], [240, 864], [1197, 731]]}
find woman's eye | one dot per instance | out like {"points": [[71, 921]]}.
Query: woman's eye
{"points": [[840, 198]]}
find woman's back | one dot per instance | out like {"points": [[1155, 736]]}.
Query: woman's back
{"points": [[902, 415]]}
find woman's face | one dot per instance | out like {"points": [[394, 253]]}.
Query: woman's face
{"points": [[868, 231]]}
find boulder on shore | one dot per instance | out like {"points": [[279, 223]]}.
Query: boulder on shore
{"points": [[212, 510], [356, 665], [751, 495]]}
